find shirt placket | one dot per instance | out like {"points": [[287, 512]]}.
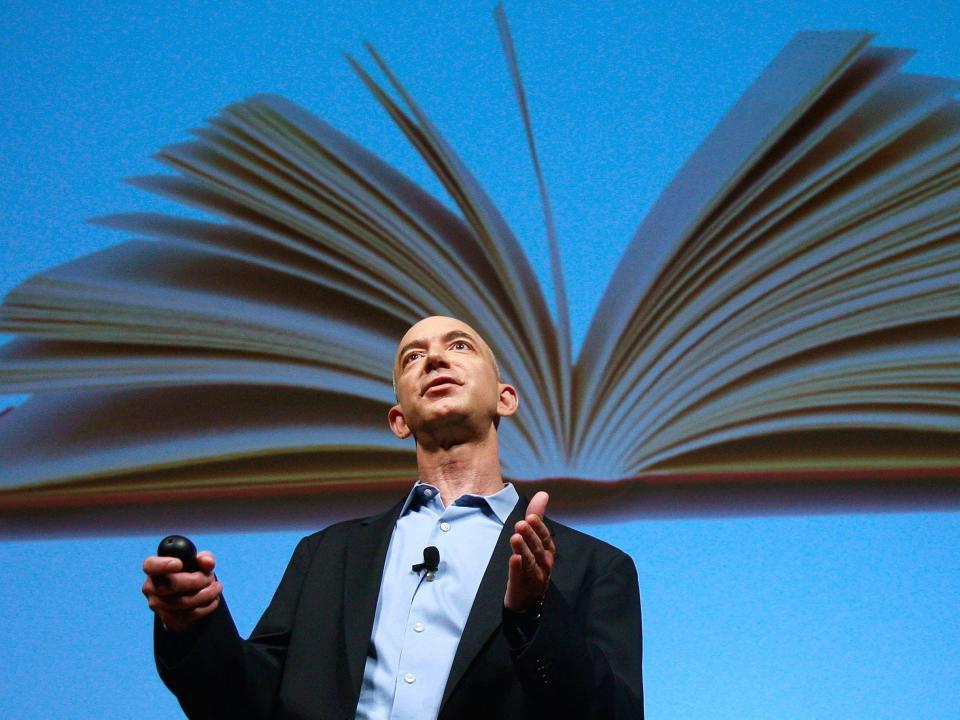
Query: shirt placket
{"points": [[418, 675]]}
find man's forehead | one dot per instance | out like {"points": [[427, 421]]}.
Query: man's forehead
{"points": [[440, 327]]}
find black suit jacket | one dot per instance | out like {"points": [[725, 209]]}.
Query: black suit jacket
{"points": [[306, 656]]}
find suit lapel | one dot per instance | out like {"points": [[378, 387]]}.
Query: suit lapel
{"points": [[365, 557], [486, 614]]}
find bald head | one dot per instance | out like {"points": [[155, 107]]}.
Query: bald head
{"points": [[443, 328]]}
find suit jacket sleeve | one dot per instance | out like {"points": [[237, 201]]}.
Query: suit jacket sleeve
{"points": [[585, 658], [214, 673]]}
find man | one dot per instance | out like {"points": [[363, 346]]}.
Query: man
{"points": [[522, 618]]}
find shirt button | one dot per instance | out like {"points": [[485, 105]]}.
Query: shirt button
{"points": [[409, 678], [429, 493], [418, 627], [445, 526]]}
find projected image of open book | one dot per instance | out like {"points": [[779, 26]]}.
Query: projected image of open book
{"points": [[788, 311]]}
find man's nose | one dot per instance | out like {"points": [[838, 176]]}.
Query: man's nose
{"points": [[436, 358]]}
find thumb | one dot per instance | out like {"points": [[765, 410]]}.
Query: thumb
{"points": [[538, 505]]}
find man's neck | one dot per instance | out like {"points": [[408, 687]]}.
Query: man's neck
{"points": [[470, 468]]}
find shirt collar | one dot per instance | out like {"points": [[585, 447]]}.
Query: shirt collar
{"points": [[501, 503]]}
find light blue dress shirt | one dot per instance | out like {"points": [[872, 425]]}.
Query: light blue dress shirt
{"points": [[420, 619]]}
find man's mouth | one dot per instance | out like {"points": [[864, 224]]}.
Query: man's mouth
{"points": [[439, 382]]}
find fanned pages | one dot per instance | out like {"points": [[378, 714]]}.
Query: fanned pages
{"points": [[788, 314]]}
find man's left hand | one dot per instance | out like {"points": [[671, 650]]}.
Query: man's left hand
{"points": [[532, 559]]}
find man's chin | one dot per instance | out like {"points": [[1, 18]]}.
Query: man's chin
{"points": [[450, 423], [444, 414]]}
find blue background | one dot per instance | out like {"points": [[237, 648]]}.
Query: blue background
{"points": [[828, 616]]}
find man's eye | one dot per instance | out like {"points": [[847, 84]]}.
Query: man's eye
{"points": [[411, 357], [460, 345]]}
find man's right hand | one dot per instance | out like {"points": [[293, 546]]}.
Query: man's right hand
{"points": [[180, 598]]}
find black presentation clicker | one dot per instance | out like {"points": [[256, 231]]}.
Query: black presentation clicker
{"points": [[182, 548]]}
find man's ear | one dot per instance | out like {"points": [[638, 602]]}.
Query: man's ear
{"points": [[397, 422], [508, 401]]}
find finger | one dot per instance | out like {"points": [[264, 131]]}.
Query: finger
{"points": [[155, 565], [186, 601], [531, 538], [204, 611], [181, 583], [520, 548], [180, 621], [544, 555], [514, 569], [543, 532], [206, 561], [201, 598], [183, 604], [538, 505]]}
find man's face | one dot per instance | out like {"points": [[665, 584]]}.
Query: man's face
{"points": [[446, 381]]}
